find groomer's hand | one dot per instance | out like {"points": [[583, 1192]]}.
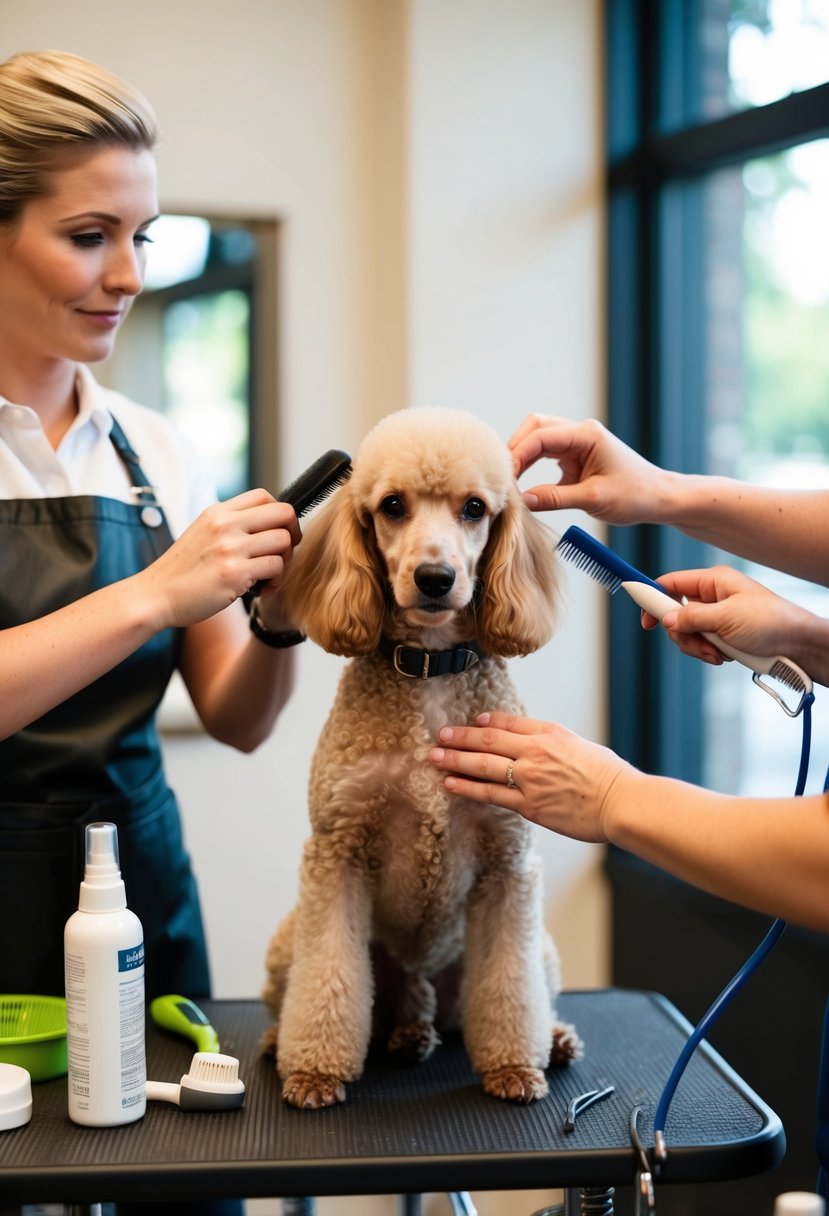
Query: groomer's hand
{"points": [[231, 546], [599, 473], [539, 769], [745, 614]]}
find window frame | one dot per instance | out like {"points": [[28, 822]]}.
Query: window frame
{"points": [[654, 342]]}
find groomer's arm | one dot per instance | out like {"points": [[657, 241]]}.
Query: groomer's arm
{"points": [[770, 854], [599, 474], [220, 556], [44, 662], [782, 529]]}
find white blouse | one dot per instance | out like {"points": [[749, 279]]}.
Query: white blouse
{"points": [[86, 461]]}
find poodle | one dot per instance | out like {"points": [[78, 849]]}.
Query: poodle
{"points": [[416, 908]]}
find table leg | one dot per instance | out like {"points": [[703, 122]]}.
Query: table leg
{"points": [[589, 1201]]}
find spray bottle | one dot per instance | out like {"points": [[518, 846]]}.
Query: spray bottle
{"points": [[104, 971]]}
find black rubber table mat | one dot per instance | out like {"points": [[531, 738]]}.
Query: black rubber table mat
{"points": [[420, 1129]]}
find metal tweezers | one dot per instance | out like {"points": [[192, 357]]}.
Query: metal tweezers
{"points": [[581, 1103]]}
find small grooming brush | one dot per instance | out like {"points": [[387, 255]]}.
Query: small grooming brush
{"points": [[183, 1016], [326, 473], [317, 482], [612, 572], [212, 1083]]}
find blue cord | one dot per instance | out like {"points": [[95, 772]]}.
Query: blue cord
{"points": [[748, 968]]}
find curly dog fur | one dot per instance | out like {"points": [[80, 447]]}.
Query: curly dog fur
{"points": [[416, 908]]}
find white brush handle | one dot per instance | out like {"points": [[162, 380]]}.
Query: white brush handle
{"points": [[163, 1091], [658, 603]]}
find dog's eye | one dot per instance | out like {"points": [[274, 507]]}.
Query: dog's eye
{"points": [[393, 507], [474, 509]]}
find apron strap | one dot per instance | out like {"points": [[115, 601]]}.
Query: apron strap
{"points": [[144, 493]]}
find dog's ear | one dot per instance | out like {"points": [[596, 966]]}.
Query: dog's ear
{"points": [[516, 612], [332, 588]]}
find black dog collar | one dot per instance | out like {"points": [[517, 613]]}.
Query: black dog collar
{"points": [[421, 664]]}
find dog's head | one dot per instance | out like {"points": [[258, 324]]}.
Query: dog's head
{"points": [[429, 539]]}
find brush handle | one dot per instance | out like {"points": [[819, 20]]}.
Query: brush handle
{"points": [[658, 603], [183, 1016], [163, 1091], [190, 1096], [193, 1097]]}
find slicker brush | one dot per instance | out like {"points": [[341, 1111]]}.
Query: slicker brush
{"points": [[213, 1083]]}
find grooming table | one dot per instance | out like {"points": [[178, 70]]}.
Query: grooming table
{"points": [[405, 1130]]}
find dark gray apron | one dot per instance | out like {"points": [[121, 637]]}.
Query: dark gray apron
{"points": [[94, 757]]}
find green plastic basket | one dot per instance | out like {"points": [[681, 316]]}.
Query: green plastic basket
{"points": [[33, 1034]]}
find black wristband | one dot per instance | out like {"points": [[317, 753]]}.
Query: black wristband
{"points": [[278, 640]]}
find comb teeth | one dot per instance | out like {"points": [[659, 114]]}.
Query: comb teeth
{"points": [[788, 675], [583, 561]]}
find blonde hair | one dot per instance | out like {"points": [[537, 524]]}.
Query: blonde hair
{"points": [[52, 103]]}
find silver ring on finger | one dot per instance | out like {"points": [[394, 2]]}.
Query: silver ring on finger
{"points": [[511, 783]]}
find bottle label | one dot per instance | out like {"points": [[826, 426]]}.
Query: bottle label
{"points": [[128, 960], [105, 1034]]}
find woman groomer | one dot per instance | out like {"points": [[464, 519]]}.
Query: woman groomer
{"points": [[118, 566]]}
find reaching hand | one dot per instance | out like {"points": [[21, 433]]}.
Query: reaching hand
{"points": [[539, 769], [745, 614], [599, 473]]}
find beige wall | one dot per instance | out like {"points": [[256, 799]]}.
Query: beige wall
{"points": [[435, 165]]}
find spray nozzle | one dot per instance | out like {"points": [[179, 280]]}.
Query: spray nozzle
{"points": [[102, 848], [102, 888]]}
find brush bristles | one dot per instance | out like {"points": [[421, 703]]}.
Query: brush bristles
{"points": [[213, 1069], [787, 675], [322, 477], [318, 496], [582, 561]]}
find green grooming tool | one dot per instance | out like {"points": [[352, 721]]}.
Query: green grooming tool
{"points": [[183, 1016]]}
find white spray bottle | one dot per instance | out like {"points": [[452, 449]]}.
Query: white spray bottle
{"points": [[104, 971]]}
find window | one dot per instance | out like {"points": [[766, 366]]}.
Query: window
{"points": [[200, 343], [718, 289]]}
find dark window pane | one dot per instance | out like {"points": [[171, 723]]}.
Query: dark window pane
{"points": [[766, 409]]}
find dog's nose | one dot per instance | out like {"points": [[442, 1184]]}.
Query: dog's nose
{"points": [[434, 580]]}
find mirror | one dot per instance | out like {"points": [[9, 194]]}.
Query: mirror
{"points": [[200, 345]]}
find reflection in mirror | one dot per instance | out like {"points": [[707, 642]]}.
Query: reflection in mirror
{"points": [[200, 346], [191, 345]]}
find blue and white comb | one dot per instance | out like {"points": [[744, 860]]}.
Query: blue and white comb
{"points": [[612, 572]]}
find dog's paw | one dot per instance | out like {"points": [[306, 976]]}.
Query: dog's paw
{"points": [[515, 1083], [312, 1090], [413, 1043], [267, 1044], [566, 1045]]}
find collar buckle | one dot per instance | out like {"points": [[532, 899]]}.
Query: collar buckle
{"points": [[417, 664], [423, 674]]}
